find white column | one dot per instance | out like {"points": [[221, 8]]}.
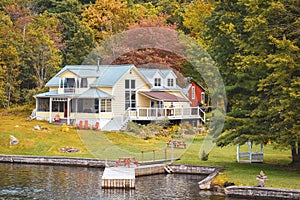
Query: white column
{"points": [[50, 110], [36, 104], [68, 111], [238, 153], [99, 108]]}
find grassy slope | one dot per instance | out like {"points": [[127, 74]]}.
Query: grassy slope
{"points": [[275, 166], [37, 142], [108, 145]]}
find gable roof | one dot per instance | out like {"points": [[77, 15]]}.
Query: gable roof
{"points": [[110, 74], [106, 75], [166, 72], [193, 81], [149, 73]]}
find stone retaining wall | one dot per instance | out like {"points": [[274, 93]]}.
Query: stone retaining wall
{"points": [[150, 170], [193, 169], [55, 160], [262, 192]]}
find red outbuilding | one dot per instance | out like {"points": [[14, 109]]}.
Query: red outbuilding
{"points": [[196, 94]]}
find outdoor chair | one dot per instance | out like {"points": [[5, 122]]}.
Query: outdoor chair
{"points": [[86, 124], [79, 126], [96, 127], [57, 118]]}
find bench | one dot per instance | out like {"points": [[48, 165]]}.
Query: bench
{"points": [[125, 161], [176, 143]]}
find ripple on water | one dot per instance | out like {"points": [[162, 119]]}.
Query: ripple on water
{"points": [[60, 182]]}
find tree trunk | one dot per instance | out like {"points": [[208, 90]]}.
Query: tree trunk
{"points": [[295, 153]]}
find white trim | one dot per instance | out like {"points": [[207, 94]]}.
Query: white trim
{"points": [[193, 92]]}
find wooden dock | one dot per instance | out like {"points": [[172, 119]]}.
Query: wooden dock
{"points": [[124, 176], [118, 177]]}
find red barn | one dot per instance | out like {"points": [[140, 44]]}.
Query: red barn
{"points": [[196, 94]]}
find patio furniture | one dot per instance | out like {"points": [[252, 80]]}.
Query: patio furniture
{"points": [[79, 126], [96, 127], [86, 124], [57, 118]]}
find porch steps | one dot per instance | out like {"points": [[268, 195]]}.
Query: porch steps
{"points": [[114, 124]]}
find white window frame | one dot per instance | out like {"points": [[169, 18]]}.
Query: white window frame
{"points": [[170, 82], [157, 82], [131, 90], [193, 92]]}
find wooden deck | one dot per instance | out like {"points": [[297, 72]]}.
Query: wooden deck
{"points": [[118, 177], [145, 114]]}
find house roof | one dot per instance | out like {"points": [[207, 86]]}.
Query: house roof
{"points": [[193, 81], [163, 96], [106, 75], [109, 75], [149, 73], [92, 93], [166, 72]]}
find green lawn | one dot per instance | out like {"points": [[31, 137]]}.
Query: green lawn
{"points": [[111, 145]]}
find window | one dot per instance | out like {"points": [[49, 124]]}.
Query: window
{"points": [[58, 106], [170, 82], [43, 104], [70, 82], [203, 97], [130, 94], [193, 92], [157, 82], [105, 105], [84, 83]]}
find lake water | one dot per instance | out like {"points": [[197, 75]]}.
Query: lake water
{"points": [[60, 182]]}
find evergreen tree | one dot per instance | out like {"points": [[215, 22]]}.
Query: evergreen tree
{"points": [[259, 59]]}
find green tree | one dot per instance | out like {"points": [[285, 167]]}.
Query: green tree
{"points": [[58, 6], [279, 95], [9, 63], [78, 37], [41, 51], [194, 17], [263, 44]]}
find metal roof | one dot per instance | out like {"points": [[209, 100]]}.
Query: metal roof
{"points": [[106, 75], [163, 96], [148, 73], [109, 75], [92, 93], [165, 72]]}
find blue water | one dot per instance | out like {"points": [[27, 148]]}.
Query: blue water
{"points": [[60, 182]]}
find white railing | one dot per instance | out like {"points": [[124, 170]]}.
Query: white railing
{"points": [[164, 113], [69, 90]]}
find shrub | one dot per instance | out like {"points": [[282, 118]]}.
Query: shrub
{"points": [[204, 156]]}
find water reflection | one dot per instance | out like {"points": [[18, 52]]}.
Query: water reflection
{"points": [[60, 182]]}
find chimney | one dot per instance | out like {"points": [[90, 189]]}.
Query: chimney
{"points": [[98, 63]]}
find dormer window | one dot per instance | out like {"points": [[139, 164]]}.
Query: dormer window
{"points": [[157, 82], [170, 82]]}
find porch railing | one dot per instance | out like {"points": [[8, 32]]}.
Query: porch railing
{"points": [[69, 90], [141, 113]]}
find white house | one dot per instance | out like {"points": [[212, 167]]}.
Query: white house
{"points": [[113, 95]]}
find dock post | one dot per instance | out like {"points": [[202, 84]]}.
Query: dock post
{"points": [[153, 155]]}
